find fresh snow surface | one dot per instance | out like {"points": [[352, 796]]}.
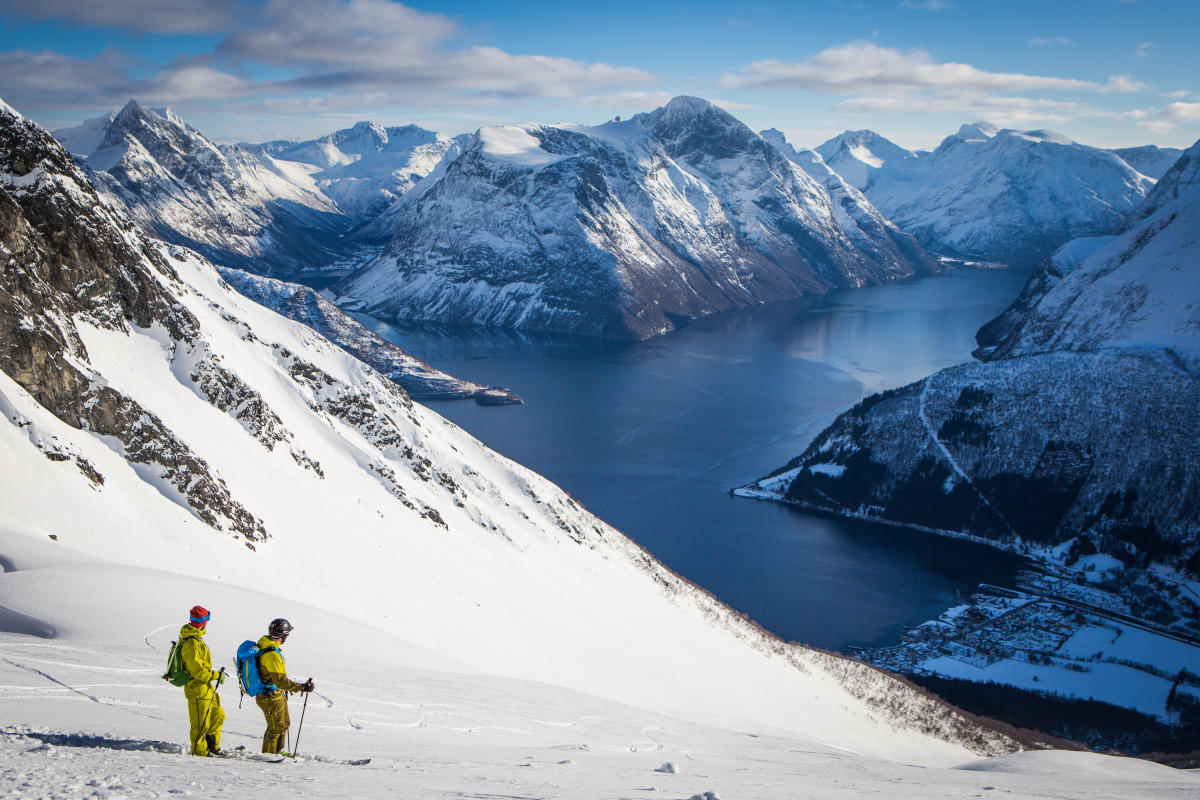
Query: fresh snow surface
{"points": [[515, 144], [87, 716]]}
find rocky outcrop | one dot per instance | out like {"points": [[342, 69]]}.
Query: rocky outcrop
{"points": [[67, 258]]}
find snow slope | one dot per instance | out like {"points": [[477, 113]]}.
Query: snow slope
{"points": [[625, 230], [1009, 196], [367, 167], [86, 716], [156, 418], [238, 206]]}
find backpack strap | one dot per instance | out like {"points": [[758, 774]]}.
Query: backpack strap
{"points": [[267, 686]]}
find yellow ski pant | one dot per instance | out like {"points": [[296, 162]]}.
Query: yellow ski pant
{"points": [[275, 708]]}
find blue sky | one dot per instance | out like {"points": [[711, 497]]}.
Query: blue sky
{"points": [[1105, 72]]}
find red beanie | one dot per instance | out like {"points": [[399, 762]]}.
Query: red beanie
{"points": [[199, 616]]}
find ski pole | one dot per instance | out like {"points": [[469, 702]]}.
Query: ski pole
{"points": [[300, 727], [207, 711]]}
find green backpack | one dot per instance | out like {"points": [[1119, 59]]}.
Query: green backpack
{"points": [[176, 673]]}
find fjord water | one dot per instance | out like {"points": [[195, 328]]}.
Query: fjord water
{"points": [[651, 436]]}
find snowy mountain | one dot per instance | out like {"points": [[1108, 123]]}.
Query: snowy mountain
{"points": [[304, 305], [858, 155], [1005, 195], [237, 206], [364, 169], [861, 221], [1059, 439], [163, 430], [627, 229], [1150, 160]]}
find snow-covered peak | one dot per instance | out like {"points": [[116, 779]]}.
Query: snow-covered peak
{"points": [[858, 155], [1051, 137], [1007, 195], [691, 125], [239, 206], [976, 131], [367, 167], [810, 160], [7, 109]]}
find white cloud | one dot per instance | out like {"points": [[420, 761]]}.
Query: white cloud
{"points": [[1143, 49], [867, 67], [144, 16], [1061, 41], [1122, 84], [368, 48], [1015, 112], [1182, 112], [1172, 116]]}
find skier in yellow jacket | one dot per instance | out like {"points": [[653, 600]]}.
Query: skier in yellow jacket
{"points": [[204, 704], [273, 671]]}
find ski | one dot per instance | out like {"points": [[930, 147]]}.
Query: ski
{"points": [[242, 754], [349, 762]]}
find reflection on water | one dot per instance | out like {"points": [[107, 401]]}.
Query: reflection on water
{"points": [[652, 435]]}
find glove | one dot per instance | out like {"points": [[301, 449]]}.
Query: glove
{"points": [[221, 678], [309, 686]]}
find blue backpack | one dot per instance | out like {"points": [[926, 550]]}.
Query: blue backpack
{"points": [[247, 668]]}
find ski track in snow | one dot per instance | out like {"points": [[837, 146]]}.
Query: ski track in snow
{"points": [[950, 458]]}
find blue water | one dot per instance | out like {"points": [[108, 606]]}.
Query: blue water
{"points": [[651, 436]]}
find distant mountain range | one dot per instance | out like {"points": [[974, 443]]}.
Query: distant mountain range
{"points": [[627, 229]]}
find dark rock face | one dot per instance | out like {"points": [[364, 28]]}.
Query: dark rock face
{"points": [[1025, 450], [65, 254]]}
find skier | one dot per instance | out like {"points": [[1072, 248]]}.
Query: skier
{"points": [[274, 701], [204, 704]]}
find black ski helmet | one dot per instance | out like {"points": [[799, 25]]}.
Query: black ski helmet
{"points": [[279, 628]]}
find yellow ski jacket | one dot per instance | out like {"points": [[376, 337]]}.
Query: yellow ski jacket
{"points": [[197, 660], [272, 668]]}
